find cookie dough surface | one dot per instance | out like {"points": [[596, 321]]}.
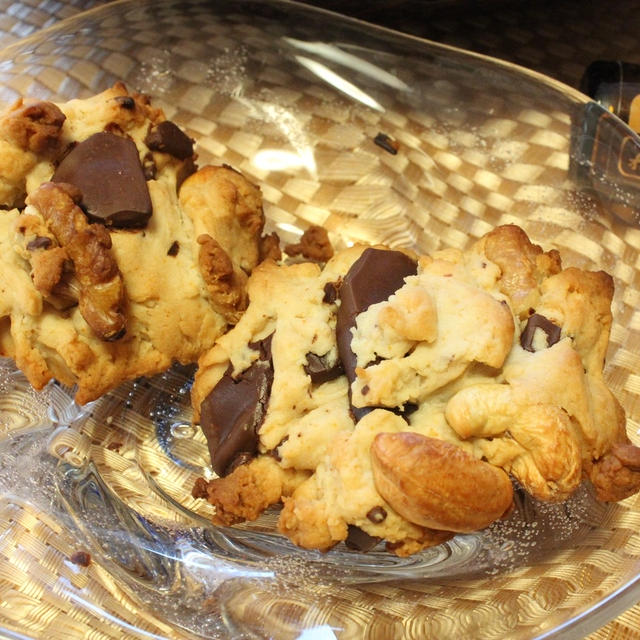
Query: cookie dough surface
{"points": [[175, 278], [482, 367]]}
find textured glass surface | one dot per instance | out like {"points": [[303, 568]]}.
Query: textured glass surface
{"points": [[294, 97]]}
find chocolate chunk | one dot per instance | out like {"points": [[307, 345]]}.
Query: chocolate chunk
{"points": [[106, 169], [386, 143], [320, 369], [537, 321], [126, 102], [167, 137], [406, 411], [39, 242], [373, 277], [330, 292], [360, 540], [377, 515], [174, 248], [234, 410]]}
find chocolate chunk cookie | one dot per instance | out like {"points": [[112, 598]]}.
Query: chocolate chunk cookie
{"points": [[400, 394], [118, 256]]}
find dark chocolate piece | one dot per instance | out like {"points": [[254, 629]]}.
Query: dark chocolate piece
{"points": [[232, 413], [39, 242], [126, 102], [167, 137], [239, 460], [174, 248], [407, 410], [330, 292], [373, 277], [386, 143], [537, 321], [377, 515], [106, 169], [320, 369], [360, 540]]}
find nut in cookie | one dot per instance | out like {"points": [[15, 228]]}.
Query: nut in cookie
{"points": [[388, 396]]}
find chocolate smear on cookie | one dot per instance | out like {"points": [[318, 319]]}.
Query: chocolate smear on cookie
{"points": [[106, 169], [167, 137], [320, 368], [373, 278], [39, 242], [538, 321], [234, 410]]}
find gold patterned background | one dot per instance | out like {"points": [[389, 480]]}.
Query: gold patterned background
{"points": [[558, 39]]}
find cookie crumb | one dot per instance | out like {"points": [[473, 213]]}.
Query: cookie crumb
{"points": [[269, 246], [200, 488], [314, 245], [81, 558], [387, 143]]}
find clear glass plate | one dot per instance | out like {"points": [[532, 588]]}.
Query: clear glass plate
{"points": [[296, 98]]}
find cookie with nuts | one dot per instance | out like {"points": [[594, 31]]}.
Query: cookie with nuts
{"points": [[394, 397], [119, 256]]}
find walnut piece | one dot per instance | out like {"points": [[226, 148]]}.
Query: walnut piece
{"points": [[33, 125], [314, 245], [88, 246], [616, 475], [225, 284], [523, 264]]}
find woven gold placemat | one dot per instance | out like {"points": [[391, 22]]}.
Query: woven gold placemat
{"points": [[542, 43]]}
